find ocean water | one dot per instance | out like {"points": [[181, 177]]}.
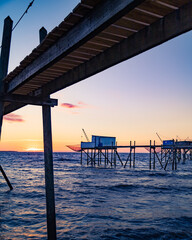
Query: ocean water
{"points": [[95, 203]]}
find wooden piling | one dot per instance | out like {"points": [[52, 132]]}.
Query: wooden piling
{"points": [[154, 156], [184, 156], [81, 157], [87, 157], [4, 63], [111, 156], [134, 155], [115, 160], [42, 34], [150, 155], [48, 158], [173, 159], [130, 154], [6, 178], [49, 179]]}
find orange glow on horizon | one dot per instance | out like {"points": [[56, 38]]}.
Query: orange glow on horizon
{"points": [[33, 149]]}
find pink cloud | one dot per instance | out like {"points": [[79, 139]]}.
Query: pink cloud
{"points": [[13, 118], [82, 103], [79, 105], [69, 105]]}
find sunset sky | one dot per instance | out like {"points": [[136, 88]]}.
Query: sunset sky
{"points": [[149, 93]]}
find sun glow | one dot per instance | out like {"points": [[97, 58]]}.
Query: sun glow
{"points": [[33, 149]]}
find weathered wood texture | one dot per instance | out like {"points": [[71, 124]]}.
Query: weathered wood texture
{"points": [[97, 35], [101, 17], [6, 178], [49, 178], [4, 60], [16, 98], [166, 28], [48, 158], [5, 50]]}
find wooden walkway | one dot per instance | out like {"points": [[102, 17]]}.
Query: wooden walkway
{"points": [[95, 36]]}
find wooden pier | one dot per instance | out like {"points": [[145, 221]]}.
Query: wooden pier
{"points": [[95, 36], [160, 155]]}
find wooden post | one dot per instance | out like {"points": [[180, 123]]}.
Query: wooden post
{"points": [[150, 156], [49, 179], [48, 158], [98, 157], [184, 155], [134, 155], [154, 156], [130, 154], [176, 159], [111, 156], [105, 156], [42, 34], [4, 62], [87, 157], [6, 178], [92, 157], [173, 160], [81, 156]]}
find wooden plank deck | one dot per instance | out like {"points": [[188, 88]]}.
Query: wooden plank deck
{"points": [[95, 36]]}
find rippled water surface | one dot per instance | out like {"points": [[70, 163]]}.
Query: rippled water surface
{"points": [[95, 203]]}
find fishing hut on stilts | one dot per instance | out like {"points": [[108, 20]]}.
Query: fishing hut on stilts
{"points": [[103, 151]]}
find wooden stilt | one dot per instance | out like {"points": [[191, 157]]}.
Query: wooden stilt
{"points": [[134, 155], [154, 156], [81, 157], [87, 157], [184, 156], [6, 178], [119, 157], [98, 158], [4, 62], [101, 156], [49, 179], [173, 159], [4, 59], [48, 158], [130, 154], [115, 162], [105, 156], [150, 156]]}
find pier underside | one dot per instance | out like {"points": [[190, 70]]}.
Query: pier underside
{"points": [[95, 36]]}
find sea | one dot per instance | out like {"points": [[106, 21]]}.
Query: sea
{"points": [[95, 202]]}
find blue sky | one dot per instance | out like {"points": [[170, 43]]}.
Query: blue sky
{"points": [[133, 100]]}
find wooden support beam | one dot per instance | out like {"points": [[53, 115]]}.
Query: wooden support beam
{"points": [[172, 25], [150, 156], [6, 178], [4, 60], [102, 16], [48, 158], [26, 99], [49, 178]]}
